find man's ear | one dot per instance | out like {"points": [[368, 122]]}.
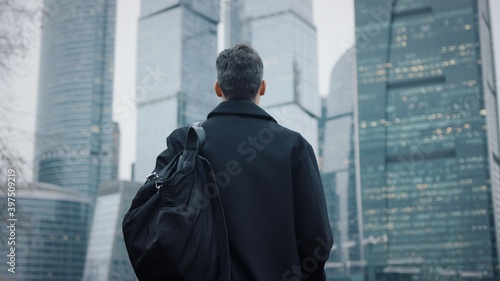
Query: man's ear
{"points": [[218, 90], [262, 89]]}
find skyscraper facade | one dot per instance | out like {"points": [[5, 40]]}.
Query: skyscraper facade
{"points": [[107, 257], [428, 139], [74, 130], [115, 151], [338, 170], [177, 47], [284, 35], [50, 235]]}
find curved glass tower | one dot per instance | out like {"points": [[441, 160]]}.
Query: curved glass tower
{"points": [[51, 235], [107, 257], [74, 130], [339, 169]]}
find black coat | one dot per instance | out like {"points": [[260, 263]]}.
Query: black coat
{"points": [[271, 191]]}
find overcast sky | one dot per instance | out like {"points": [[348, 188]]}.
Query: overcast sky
{"points": [[334, 20]]}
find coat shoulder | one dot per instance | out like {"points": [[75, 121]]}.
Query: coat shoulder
{"points": [[297, 141]]}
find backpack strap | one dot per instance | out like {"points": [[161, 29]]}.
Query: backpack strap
{"points": [[195, 138], [220, 221], [222, 239]]}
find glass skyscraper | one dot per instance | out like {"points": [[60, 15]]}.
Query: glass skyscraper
{"points": [[76, 144], [338, 170], [74, 130], [107, 257], [177, 48], [428, 139], [50, 234], [283, 34]]}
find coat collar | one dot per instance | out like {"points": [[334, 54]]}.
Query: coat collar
{"points": [[242, 108]]}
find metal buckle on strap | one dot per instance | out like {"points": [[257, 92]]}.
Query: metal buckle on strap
{"points": [[153, 175], [158, 184]]}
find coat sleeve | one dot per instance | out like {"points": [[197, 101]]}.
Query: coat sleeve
{"points": [[312, 227]]}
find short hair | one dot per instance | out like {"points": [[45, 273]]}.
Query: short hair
{"points": [[239, 72]]}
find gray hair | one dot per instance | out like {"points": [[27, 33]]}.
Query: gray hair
{"points": [[239, 72]]}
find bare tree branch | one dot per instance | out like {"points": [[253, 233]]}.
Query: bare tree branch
{"points": [[18, 26], [17, 23]]}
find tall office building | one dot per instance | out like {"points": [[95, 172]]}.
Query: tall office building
{"points": [[283, 34], [177, 47], [338, 170], [428, 139], [74, 145], [50, 235], [115, 151], [74, 130], [107, 257]]}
